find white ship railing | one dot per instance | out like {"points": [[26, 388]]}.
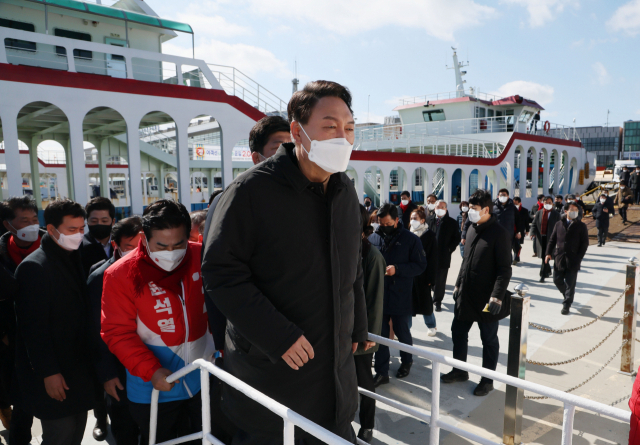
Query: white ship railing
{"points": [[433, 418], [446, 95]]}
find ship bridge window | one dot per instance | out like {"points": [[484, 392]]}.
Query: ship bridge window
{"points": [[77, 53], [481, 112], [16, 43], [525, 116], [490, 112], [433, 115]]}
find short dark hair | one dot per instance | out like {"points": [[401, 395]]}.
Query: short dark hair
{"points": [[213, 195], [263, 129], [8, 208], [482, 198], [126, 228], [540, 197], [100, 203], [198, 217], [573, 204], [548, 197], [517, 199], [432, 195], [462, 204], [57, 210], [366, 197], [165, 214], [559, 197], [302, 102], [388, 209], [406, 193], [503, 191]]}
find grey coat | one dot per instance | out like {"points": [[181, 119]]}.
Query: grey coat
{"points": [[536, 227]]}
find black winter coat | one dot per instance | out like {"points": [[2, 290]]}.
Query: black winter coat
{"points": [[92, 252], [276, 279], [572, 240], [406, 214], [422, 298], [634, 181], [53, 335], [601, 217], [485, 270], [525, 220], [536, 229], [507, 215], [403, 250], [448, 237], [624, 177]]}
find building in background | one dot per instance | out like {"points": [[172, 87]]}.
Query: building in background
{"points": [[631, 141], [605, 142]]}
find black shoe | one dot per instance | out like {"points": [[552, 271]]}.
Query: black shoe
{"points": [[438, 307], [380, 380], [404, 370], [514, 263], [599, 244], [517, 259], [541, 279], [483, 388], [454, 376], [565, 310], [100, 431], [365, 435]]}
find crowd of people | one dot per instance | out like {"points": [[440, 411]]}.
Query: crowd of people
{"points": [[96, 313]]}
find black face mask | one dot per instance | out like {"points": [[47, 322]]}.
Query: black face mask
{"points": [[100, 231], [367, 204], [386, 230]]}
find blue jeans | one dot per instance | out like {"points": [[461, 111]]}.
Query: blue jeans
{"points": [[430, 320], [462, 250]]}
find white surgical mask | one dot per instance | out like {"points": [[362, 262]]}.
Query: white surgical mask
{"points": [[548, 206], [331, 155], [431, 206], [375, 226], [70, 242], [465, 209], [28, 234], [441, 212], [569, 201], [405, 202], [503, 199], [415, 224], [474, 216], [167, 259], [124, 253], [603, 200], [572, 215], [622, 187]]}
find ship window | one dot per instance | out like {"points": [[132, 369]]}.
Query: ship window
{"points": [[480, 112], [77, 53], [16, 43], [490, 112], [525, 116], [433, 115]]}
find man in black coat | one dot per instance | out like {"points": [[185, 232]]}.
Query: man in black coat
{"points": [[482, 283], [111, 374], [368, 204], [507, 214], [96, 245], [625, 175], [523, 222], [567, 245], [600, 213], [541, 230], [448, 236], [53, 347], [634, 184], [291, 285], [405, 258], [406, 207]]}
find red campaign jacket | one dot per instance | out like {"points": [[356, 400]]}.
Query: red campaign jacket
{"points": [[146, 328]]}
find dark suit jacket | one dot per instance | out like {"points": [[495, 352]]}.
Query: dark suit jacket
{"points": [[92, 252], [448, 237]]}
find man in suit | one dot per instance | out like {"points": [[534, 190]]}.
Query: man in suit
{"points": [[406, 208], [523, 216], [368, 204], [448, 236], [541, 230]]}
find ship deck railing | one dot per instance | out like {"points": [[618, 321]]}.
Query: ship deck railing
{"points": [[447, 95], [47, 51], [436, 422]]}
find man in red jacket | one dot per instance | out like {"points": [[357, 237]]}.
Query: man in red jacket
{"points": [[153, 319]]}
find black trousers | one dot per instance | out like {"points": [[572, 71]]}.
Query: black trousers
{"points": [[170, 417], [623, 212], [402, 329], [365, 381], [440, 286], [65, 431], [123, 426], [21, 423], [602, 234], [516, 246], [636, 195], [545, 269], [100, 406], [566, 283], [490, 343]]}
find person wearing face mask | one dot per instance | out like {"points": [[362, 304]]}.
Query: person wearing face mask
{"points": [[405, 260], [625, 175], [375, 238], [295, 308], [111, 374], [539, 205], [368, 204], [266, 136], [482, 283], [157, 290], [634, 185], [541, 229], [623, 198], [522, 213], [463, 224], [601, 214], [54, 354], [570, 198], [422, 284], [19, 217], [431, 204], [406, 208], [448, 235], [559, 205], [507, 215], [567, 246]]}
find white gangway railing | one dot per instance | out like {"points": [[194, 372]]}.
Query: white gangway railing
{"points": [[436, 423]]}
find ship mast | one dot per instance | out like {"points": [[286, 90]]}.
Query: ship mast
{"points": [[459, 82]]}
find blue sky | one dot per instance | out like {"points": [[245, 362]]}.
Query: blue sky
{"points": [[578, 58]]}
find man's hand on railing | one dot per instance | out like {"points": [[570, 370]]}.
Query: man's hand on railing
{"points": [[110, 387], [159, 380], [299, 353]]}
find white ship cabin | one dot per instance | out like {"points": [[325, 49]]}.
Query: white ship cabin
{"points": [[452, 143], [88, 101]]}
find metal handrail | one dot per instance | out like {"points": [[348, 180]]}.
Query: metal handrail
{"points": [[446, 95]]}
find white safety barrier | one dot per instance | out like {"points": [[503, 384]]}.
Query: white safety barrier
{"points": [[292, 419]]}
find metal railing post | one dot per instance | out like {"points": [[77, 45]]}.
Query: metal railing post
{"points": [[630, 314], [206, 406], [567, 424], [153, 418], [289, 432], [434, 429], [516, 365]]}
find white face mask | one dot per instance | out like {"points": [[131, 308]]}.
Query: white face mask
{"points": [[603, 200], [431, 206], [622, 188], [405, 202], [572, 214], [474, 216], [503, 199], [167, 259], [375, 226], [441, 212], [548, 206], [415, 224], [69, 242], [331, 155], [124, 253], [28, 234], [465, 209]]}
